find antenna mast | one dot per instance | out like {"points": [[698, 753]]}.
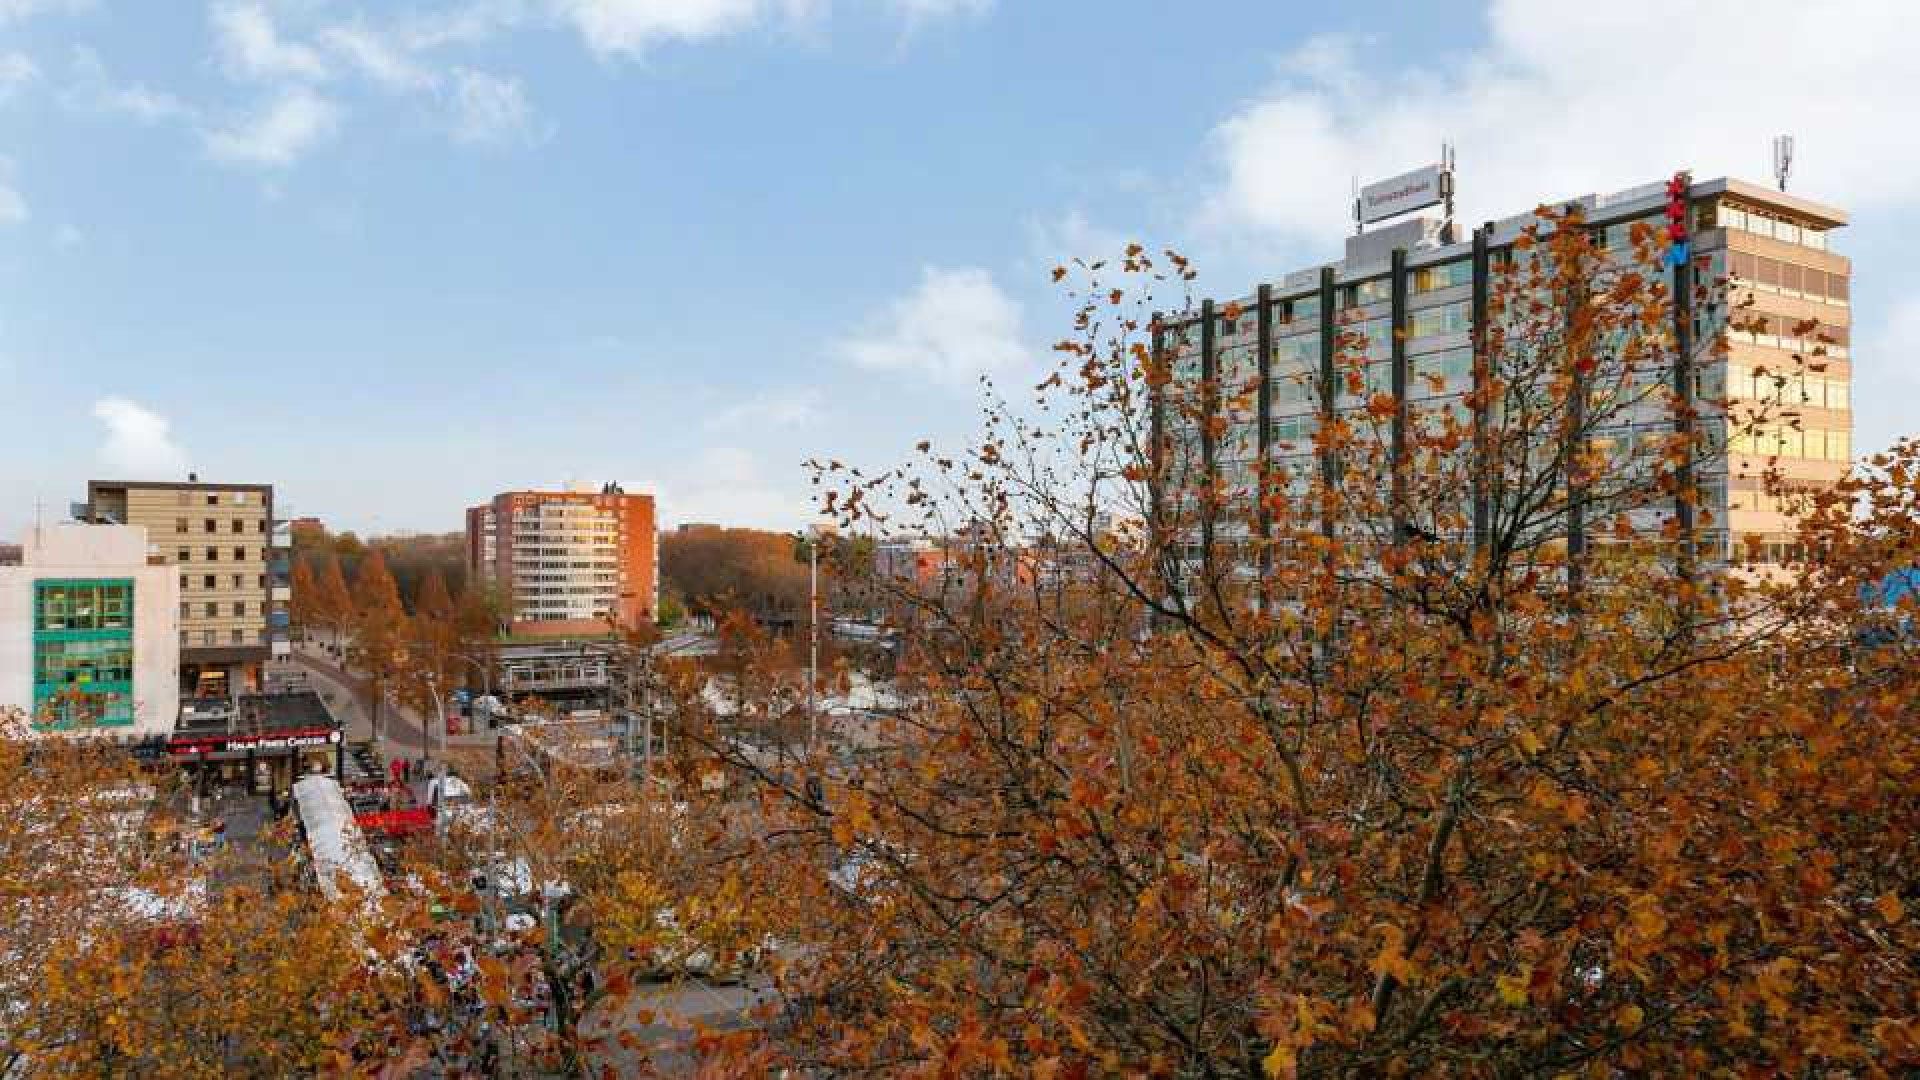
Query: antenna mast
{"points": [[1782, 159]]}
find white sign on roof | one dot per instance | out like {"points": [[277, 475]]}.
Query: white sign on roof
{"points": [[1409, 191]]}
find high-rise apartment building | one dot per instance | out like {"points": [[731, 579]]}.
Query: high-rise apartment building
{"points": [[1412, 291], [224, 545], [567, 562], [88, 633]]}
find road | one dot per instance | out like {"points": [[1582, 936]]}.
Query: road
{"points": [[346, 695]]}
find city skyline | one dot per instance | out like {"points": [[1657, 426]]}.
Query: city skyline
{"points": [[473, 246]]}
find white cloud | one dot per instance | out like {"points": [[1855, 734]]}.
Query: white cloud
{"points": [[1568, 100], [13, 207], [1071, 236], [250, 46], [138, 440], [629, 27], [93, 90], [490, 110], [17, 70], [955, 326], [278, 134], [917, 12], [384, 60], [792, 409], [728, 485]]}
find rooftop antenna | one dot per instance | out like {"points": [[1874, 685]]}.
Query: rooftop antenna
{"points": [[1782, 159], [1358, 226]]}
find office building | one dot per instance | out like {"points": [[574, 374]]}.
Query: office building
{"points": [[89, 633], [1409, 293], [567, 562], [229, 555]]}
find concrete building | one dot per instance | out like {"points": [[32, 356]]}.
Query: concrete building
{"points": [[89, 633], [567, 562], [231, 561], [1413, 290]]}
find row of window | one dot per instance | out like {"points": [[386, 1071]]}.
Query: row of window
{"points": [[83, 682], [1789, 389], [211, 609], [185, 555], [1790, 279], [1782, 440], [190, 638], [1774, 332], [83, 605], [212, 581], [1760, 223], [213, 498], [238, 525]]}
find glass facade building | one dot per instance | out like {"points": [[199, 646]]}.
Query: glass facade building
{"points": [[83, 653]]}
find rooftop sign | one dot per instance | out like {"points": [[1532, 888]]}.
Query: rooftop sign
{"points": [[1416, 190]]}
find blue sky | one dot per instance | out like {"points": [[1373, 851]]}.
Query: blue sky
{"points": [[393, 257]]}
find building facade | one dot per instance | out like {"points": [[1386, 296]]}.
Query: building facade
{"points": [[231, 561], [1412, 291], [567, 562], [89, 634]]}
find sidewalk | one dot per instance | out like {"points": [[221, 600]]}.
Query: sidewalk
{"points": [[403, 736]]}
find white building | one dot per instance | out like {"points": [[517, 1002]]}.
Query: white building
{"points": [[90, 633]]}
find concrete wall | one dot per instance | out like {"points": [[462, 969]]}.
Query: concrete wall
{"points": [[97, 551]]}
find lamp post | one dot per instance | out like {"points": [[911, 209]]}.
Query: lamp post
{"points": [[813, 635]]}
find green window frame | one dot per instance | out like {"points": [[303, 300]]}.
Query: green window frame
{"points": [[83, 653]]}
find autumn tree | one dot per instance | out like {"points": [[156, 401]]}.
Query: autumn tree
{"points": [[374, 590], [332, 603], [432, 600], [306, 597], [126, 957], [715, 570], [1451, 751]]}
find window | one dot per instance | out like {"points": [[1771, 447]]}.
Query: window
{"points": [[179, 525], [206, 637], [1837, 288], [237, 636], [183, 555], [213, 499], [238, 525], [239, 554], [207, 582], [260, 525], [213, 554], [211, 611], [185, 582], [83, 653], [1454, 318], [1303, 309], [183, 498], [236, 581], [1445, 275], [186, 610], [1366, 292], [208, 525]]}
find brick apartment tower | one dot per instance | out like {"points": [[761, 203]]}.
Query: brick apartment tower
{"points": [[567, 562]]}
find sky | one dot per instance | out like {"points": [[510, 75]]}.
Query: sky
{"points": [[393, 257]]}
